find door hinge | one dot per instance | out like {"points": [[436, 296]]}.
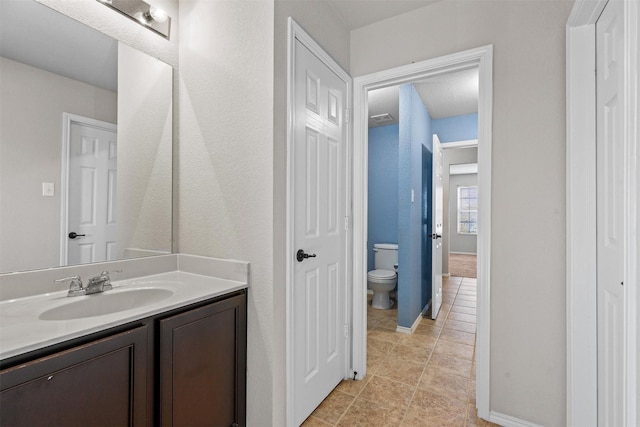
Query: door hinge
{"points": [[346, 330], [346, 223], [347, 115]]}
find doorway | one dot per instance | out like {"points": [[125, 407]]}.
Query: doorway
{"points": [[88, 191], [480, 58]]}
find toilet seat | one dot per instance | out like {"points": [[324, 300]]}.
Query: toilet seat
{"points": [[381, 274]]}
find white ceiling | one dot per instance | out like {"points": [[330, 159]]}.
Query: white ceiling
{"points": [[35, 35], [446, 95], [358, 13]]}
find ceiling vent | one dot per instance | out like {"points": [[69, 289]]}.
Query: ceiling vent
{"points": [[381, 118]]}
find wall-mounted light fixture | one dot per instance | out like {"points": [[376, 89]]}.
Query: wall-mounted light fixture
{"points": [[147, 15]]}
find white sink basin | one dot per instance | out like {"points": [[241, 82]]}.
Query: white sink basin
{"points": [[106, 303]]}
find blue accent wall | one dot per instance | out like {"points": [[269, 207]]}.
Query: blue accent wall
{"points": [[415, 132], [456, 128], [383, 188]]}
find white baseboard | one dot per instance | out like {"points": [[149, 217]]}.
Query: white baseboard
{"points": [[509, 421], [463, 253], [412, 329]]}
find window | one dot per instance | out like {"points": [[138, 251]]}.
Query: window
{"points": [[468, 210]]}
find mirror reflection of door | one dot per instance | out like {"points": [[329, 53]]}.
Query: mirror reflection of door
{"points": [[91, 193]]}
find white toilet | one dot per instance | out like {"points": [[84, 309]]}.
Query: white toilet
{"points": [[383, 278]]}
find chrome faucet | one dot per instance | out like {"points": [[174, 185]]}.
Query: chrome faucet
{"points": [[75, 285], [95, 285], [100, 283]]}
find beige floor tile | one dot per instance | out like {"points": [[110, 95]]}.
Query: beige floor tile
{"points": [[384, 335], [428, 327], [374, 361], [467, 291], [388, 392], [389, 323], [435, 416], [458, 336], [450, 364], [332, 408], [463, 309], [315, 422], [424, 340], [445, 384], [462, 317], [353, 387], [364, 413], [460, 326], [375, 345], [465, 303], [445, 308], [426, 398], [455, 349], [402, 370], [411, 353], [461, 297]]}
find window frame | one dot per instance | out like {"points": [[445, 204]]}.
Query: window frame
{"points": [[459, 211]]}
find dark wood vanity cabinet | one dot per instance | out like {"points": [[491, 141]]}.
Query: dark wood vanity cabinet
{"points": [[186, 367], [202, 381], [100, 383]]}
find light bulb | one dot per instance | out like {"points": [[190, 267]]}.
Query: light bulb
{"points": [[157, 14]]}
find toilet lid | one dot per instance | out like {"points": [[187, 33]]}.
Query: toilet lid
{"points": [[382, 274]]}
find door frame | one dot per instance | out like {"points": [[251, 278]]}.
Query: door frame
{"points": [[69, 119], [582, 343], [296, 32], [481, 57]]}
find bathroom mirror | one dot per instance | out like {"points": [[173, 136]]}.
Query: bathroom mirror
{"points": [[85, 144]]}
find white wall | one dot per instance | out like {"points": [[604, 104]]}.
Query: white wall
{"points": [[528, 337], [226, 188], [32, 102]]}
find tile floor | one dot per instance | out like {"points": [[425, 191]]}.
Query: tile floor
{"points": [[425, 379]]}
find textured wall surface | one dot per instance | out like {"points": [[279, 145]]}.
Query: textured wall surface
{"points": [[32, 102], [415, 132], [383, 188], [528, 303], [226, 161]]}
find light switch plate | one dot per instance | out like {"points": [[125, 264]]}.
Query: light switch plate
{"points": [[48, 189]]}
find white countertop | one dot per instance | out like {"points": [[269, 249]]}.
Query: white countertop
{"points": [[22, 330]]}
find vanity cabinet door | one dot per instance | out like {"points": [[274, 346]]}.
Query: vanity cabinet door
{"points": [[102, 383], [203, 364]]}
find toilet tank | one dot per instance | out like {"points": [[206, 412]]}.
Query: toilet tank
{"points": [[385, 256]]}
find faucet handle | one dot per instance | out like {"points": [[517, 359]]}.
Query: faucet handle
{"points": [[107, 280], [75, 285]]}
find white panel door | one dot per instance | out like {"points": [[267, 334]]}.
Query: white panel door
{"points": [[436, 222], [91, 229], [610, 214], [319, 205]]}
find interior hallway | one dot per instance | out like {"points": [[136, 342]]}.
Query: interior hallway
{"points": [[425, 379]]}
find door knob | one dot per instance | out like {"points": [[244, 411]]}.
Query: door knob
{"points": [[435, 236], [73, 235], [301, 256]]}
